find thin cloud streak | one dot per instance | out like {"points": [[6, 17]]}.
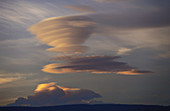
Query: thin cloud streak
{"points": [[81, 8], [10, 77], [134, 72], [7, 80]]}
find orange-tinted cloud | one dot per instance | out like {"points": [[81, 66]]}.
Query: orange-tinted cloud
{"points": [[65, 34], [134, 72], [92, 64], [52, 86], [7, 80], [49, 94], [10, 77]]}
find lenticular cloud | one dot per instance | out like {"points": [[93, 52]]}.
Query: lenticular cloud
{"points": [[65, 34], [92, 64]]}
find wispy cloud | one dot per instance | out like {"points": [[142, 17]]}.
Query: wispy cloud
{"points": [[49, 94], [10, 77], [21, 12]]}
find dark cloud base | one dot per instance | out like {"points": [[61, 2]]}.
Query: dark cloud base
{"points": [[50, 94]]}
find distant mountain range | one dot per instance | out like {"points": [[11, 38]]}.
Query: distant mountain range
{"points": [[85, 107]]}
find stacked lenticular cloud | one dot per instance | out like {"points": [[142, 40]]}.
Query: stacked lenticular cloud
{"points": [[64, 34]]}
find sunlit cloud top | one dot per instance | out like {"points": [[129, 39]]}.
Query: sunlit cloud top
{"points": [[49, 94]]}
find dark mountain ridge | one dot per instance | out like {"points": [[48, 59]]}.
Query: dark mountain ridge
{"points": [[86, 107]]}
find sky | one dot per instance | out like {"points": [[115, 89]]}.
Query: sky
{"points": [[56, 52]]}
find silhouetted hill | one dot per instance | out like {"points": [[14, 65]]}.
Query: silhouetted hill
{"points": [[85, 107]]}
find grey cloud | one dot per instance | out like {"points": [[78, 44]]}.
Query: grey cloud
{"points": [[137, 14], [49, 94], [65, 34], [133, 20], [81, 8], [140, 24], [165, 55]]}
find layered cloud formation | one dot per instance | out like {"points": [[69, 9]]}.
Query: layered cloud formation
{"points": [[49, 94], [68, 35], [92, 64], [64, 34]]}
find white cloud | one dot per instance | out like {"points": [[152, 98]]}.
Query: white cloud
{"points": [[124, 51]]}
